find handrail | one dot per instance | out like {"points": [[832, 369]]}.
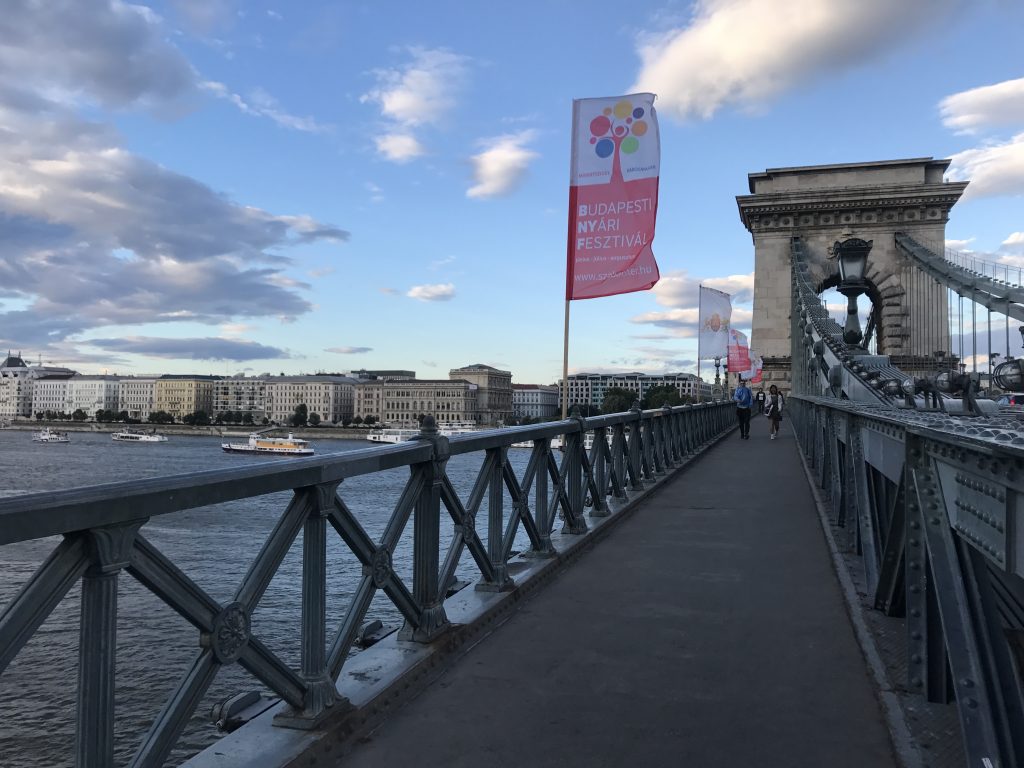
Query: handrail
{"points": [[103, 531]]}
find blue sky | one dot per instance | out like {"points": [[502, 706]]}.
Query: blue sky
{"points": [[220, 187]]}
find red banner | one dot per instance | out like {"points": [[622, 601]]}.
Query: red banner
{"points": [[739, 353], [613, 196]]}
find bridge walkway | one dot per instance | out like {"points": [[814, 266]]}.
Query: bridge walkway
{"points": [[708, 630]]}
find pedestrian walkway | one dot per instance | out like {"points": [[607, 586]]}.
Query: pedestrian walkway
{"points": [[707, 630]]}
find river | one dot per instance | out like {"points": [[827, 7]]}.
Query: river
{"points": [[215, 547]]}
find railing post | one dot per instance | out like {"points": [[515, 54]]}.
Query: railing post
{"points": [[544, 511], [502, 582], [97, 650], [575, 523], [321, 693], [635, 466], [600, 507], [426, 588]]}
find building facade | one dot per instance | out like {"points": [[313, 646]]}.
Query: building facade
{"points": [[241, 394], [17, 385], [92, 393], [534, 401], [494, 391], [332, 398], [50, 395], [591, 388], [183, 395], [401, 403], [136, 397]]}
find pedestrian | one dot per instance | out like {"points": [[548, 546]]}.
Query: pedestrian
{"points": [[760, 400], [773, 408], [744, 400]]}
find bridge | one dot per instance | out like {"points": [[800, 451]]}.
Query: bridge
{"points": [[852, 594]]}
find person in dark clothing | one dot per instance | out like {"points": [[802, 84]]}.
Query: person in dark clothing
{"points": [[760, 397], [744, 401], [774, 409]]}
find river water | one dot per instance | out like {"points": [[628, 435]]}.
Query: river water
{"points": [[215, 546]]}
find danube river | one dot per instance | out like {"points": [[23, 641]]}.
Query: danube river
{"points": [[215, 547]]}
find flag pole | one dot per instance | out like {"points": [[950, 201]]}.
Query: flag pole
{"points": [[565, 365], [700, 314]]}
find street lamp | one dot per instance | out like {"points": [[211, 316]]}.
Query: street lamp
{"points": [[853, 261]]}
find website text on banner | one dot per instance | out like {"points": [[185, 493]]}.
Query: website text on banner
{"points": [[715, 317], [739, 352], [613, 196]]}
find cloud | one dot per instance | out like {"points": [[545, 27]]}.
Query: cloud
{"points": [[749, 52], [376, 193], [422, 93], [684, 321], [107, 52], [209, 348], [438, 292], [203, 16], [437, 264], [993, 170], [94, 235], [502, 166], [678, 289], [960, 245], [984, 107], [262, 104], [389, 291], [1015, 241], [399, 147], [349, 350]]}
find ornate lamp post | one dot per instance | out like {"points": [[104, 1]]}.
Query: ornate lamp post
{"points": [[853, 260], [718, 374]]}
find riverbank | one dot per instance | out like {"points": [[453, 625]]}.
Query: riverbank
{"points": [[221, 430]]}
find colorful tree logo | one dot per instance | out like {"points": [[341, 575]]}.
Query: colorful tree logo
{"points": [[618, 130]]}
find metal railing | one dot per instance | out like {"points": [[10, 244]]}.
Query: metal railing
{"points": [[935, 507], [103, 534]]}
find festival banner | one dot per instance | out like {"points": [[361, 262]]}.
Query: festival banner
{"points": [[739, 353], [715, 314], [754, 374], [613, 196]]}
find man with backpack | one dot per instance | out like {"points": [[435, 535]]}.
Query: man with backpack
{"points": [[744, 400]]}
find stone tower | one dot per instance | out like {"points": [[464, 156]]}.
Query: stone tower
{"points": [[823, 204]]}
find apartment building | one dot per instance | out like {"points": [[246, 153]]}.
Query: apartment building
{"points": [[332, 398], [494, 391], [534, 401], [136, 396], [242, 394], [92, 393], [182, 395], [401, 403], [590, 388]]}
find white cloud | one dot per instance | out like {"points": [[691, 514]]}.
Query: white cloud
{"points": [[994, 169], [678, 289], [399, 147], [683, 322], [349, 350], [502, 166], [1014, 241], [749, 52], [960, 245], [422, 93], [985, 107], [262, 104], [435, 265], [437, 292], [376, 193]]}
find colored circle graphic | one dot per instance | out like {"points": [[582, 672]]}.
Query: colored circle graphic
{"points": [[619, 130], [630, 145], [638, 112], [607, 111], [623, 109], [599, 125], [639, 128], [604, 147]]}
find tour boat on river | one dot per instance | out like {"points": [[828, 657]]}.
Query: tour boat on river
{"points": [[47, 435], [282, 446], [400, 435], [136, 436]]}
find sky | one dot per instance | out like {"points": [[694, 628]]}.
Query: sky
{"points": [[228, 187]]}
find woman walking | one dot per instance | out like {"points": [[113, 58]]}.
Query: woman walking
{"points": [[773, 408]]}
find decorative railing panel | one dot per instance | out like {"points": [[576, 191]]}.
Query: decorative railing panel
{"points": [[103, 532], [935, 505]]}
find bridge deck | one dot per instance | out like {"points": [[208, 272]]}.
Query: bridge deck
{"points": [[708, 630]]}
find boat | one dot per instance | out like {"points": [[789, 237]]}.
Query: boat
{"points": [[279, 446], [47, 435], [127, 435], [400, 435]]}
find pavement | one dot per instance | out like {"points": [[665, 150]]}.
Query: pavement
{"points": [[707, 630]]}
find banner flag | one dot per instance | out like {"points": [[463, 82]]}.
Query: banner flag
{"points": [[613, 196], [715, 316], [739, 353], [754, 374]]}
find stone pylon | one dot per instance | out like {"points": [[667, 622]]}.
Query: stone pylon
{"points": [[827, 203]]}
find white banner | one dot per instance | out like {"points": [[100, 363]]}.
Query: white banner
{"points": [[715, 318]]}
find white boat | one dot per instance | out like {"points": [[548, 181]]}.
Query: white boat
{"points": [[400, 435], [46, 435], [136, 436], [281, 446]]}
